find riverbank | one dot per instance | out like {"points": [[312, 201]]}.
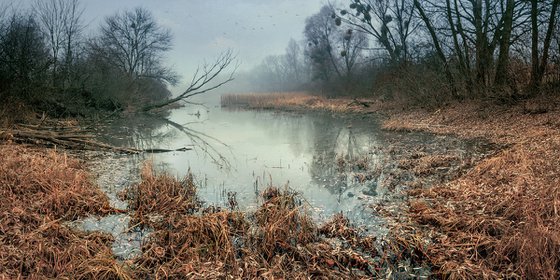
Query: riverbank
{"points": [[43, 191], [498, 220], [490, 218], [40, 190], [501, 219]]}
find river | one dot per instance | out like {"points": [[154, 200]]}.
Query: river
{"points": [[339, 163]]}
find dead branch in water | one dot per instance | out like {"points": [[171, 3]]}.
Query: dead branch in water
{"points": [[70, 138]]}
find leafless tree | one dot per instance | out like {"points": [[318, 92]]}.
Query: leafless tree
{"points": [[390, 22], [540, 56], [23, 55], [294, 61], [133, 42], [334, 48], [353, 44], [320, 30], [60, 22], [476, 37]]}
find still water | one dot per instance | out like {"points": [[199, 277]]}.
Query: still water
{"points": [[336, 162], [299, 151]]}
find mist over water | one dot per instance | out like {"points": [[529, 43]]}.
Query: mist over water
{"points": [[337, 163]]}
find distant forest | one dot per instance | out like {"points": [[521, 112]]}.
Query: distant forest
{"points": [[48, 62], [421, 51], [412, 50]]}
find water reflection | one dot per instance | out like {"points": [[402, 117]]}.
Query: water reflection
{"points": [[337, 163]]}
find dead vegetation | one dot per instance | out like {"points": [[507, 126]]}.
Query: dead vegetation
{"points": [[500, 220], [42, 190], [301, 101], [39, 191], [277, 241], [287, 101]]}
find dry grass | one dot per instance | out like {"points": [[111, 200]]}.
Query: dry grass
{"points": [[39, 190], [285, 101], [501, 219], [277, 241]]}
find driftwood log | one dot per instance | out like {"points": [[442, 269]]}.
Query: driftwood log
{"points": [[69, 138]]}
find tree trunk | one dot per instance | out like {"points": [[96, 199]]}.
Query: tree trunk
{"points": [[548, 40], [535, 80], [502, 67], [439, 50]]}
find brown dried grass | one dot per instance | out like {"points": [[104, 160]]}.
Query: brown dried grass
{"points": [[501, 219], [39, 190], [288, 101], [277, 241]]}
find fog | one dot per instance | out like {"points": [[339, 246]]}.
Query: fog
{"points": [[202, 30]]}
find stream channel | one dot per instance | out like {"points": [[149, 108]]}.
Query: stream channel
{"points": [[338, 163]]}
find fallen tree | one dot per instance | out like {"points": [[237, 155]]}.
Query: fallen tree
{"points": [[73, 137], [202, 81]]}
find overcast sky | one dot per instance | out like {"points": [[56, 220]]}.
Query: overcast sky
{"points": [[203, 29]]}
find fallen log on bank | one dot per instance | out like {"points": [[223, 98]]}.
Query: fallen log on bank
{"points": [[72, 138]]}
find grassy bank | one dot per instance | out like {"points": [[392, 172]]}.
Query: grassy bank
{"points": [[498, 220], [501, 219]]}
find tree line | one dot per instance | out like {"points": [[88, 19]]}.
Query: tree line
{"points": [[423, 50], [47, 60]]}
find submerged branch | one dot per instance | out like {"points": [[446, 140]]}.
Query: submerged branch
{"points": [[72, 138]]}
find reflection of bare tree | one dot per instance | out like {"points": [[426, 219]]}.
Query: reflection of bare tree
{"points": [[340, 159], [138, 131], [147, 132], [202, 141]]}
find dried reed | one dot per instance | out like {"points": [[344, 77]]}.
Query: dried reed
{"points": [[277, 241], [39, 190]]}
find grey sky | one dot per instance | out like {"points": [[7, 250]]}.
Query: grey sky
{"points": [[203, 29]]}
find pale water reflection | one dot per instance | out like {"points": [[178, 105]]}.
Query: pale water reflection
{"points": [[339, 163], [281, 149]]}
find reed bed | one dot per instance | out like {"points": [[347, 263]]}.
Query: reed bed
{"points": [[289, 101], [39, 191], [277, 241]]}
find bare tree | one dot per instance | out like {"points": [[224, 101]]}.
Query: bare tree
{"points": [[353, 43], [390, 22], [73, 28], [60, 22], [133, 42], [23, 56], [334, 48], [294, 62], [475, 36], [539, 57], [320, 34]]}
